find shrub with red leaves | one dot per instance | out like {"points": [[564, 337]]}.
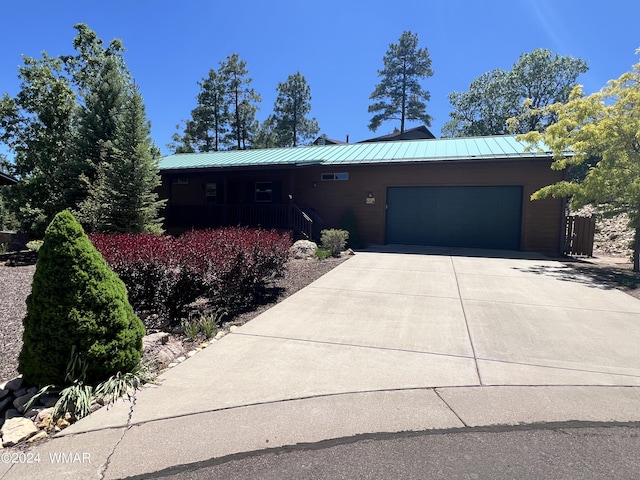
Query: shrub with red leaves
{"points": [[235, 264], [230, 267]]}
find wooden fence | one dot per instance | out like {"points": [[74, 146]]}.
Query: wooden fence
{"points": [[579, 234]]}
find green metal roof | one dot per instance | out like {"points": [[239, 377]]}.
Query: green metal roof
{"points": [[441, 149]]}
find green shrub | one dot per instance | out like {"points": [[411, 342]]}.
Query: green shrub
{"points": [[334, 240], [211, 323], [34, 245], [191, 329], [76, 304], [322, 253]]}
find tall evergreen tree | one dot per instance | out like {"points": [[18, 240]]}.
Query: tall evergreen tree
{"points": [[98, 130], [206, 129], [212, 114], [130, 202], [185, 142], [241, 98], [291, 108], [399, 95]]}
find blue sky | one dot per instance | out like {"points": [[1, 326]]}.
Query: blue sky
{"points": [[337, 45]]}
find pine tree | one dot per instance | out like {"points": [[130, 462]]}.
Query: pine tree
{"points": [[399, 95], [77, 304], [129, 198], [291, 108], [241, 99]]}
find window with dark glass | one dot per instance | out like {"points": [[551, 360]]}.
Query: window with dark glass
{"points": [[264, 192], [334, 176]]}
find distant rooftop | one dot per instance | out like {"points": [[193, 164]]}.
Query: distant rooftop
{"points": [[441, 149], [417, 133], [6, 179]]}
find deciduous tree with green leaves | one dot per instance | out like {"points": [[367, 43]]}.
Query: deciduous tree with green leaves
{"points": [[65, 128], [399, 95], [536, 80], [606, 126], [291, 108], [37, 125]]}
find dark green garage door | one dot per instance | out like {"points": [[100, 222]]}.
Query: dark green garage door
{"points": [[478, 217]]}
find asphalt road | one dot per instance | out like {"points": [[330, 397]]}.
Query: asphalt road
{"points": [[543, 452]]}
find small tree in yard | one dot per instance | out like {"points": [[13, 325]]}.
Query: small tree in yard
{"points": [[77, 306], [605, 126]]}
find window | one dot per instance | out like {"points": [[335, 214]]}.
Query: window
{"points": [[180, 181], [264, 191], [334, 176], [211, 190]]}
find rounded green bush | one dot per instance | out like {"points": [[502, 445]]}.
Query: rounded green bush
{"points": [[76, 300]]}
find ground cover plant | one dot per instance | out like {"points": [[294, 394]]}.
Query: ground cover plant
{"points": [[229, 268]]}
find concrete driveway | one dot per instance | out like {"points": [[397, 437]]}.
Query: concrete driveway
{"points": [[393, 339]]}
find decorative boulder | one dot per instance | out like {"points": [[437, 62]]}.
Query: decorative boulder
{"points": [[303, 249]]}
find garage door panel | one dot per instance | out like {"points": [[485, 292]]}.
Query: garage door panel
{"points": [[482, 217]]}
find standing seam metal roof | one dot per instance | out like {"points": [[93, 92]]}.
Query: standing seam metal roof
{"points": [[442, 149]]}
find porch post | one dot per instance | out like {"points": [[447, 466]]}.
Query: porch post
{"points": [[225, 207], [290, 203]]}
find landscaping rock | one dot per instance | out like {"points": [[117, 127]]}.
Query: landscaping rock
{"points": [[19, 392], [11, 413], [161, 349], [44, 420], [303, 250], [16, 430], [20, 403], [41, 435], [14, 384], [48, 400], [4, 392], [4, 404]]}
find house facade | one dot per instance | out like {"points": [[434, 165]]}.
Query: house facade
{"points": [[467, 192]]}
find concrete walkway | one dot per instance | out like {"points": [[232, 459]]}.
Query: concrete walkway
{"points": [[394, 339]]}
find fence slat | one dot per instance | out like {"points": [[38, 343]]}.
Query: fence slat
{"points": [[579, 235]]}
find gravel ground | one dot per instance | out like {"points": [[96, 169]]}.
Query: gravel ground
{"points": [[16, 273], [15, 285]]}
